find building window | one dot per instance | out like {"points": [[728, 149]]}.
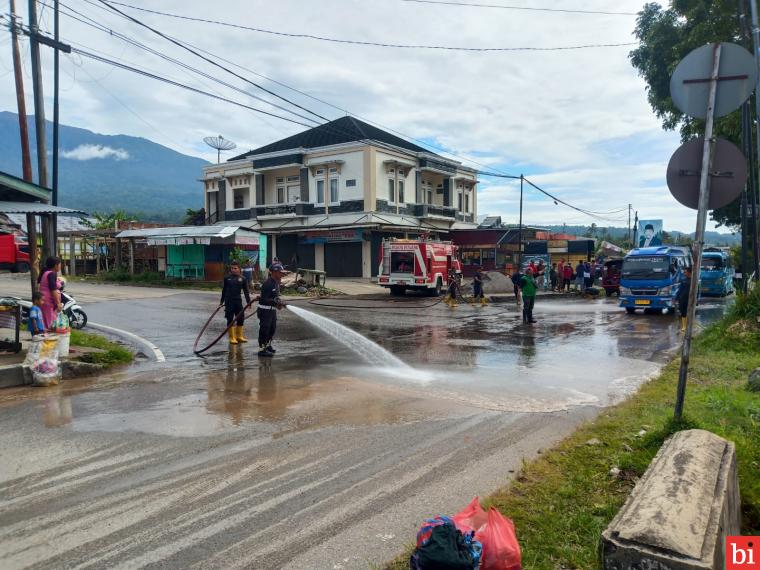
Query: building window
{"points": [[294, 194], [467, 203], [280, 180], [351, 183], [238, 201], [321, 191], [333, 171], [391, 191], [280, 194], [400, 191], [333, 190], [429, 196], [459, 201], [294, 178]]}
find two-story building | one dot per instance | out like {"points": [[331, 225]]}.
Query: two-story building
{"points": [[329, 196]]}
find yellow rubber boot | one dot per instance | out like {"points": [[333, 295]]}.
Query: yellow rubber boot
{"points": [[240, 334], [483, 301], [683, 324], [232, 335]]}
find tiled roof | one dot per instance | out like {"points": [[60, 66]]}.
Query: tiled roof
{"points": [[339, 131]]}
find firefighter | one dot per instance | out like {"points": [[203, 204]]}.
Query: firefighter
{"points": [[453, 291], [269, 303], [233, 285], [477, 287]]}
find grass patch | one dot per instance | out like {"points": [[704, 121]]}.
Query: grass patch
{"points": [[114, 353], [562, 501], [149, 279]]}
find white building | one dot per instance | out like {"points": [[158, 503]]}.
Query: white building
{"points": [[328, 196]]}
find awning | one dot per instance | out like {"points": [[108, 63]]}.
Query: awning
{"points": [[14, 188], [188, 235], [36, 208]]}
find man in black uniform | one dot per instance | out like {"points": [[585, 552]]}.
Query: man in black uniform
{"points": [[233, 285], [269, 304]]}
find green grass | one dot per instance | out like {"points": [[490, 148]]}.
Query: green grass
{"points": [[562, 501], [149, 279], [114, 353]]}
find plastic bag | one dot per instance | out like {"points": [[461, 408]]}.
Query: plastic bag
{"points": [[45, 368], [501, 551], [470, 518]]}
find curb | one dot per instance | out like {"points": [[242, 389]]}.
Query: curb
{"points": [[150, 349]]}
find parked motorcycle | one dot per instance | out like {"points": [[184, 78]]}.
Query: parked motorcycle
{"points": [[76, 315]]}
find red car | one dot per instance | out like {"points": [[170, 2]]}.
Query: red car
{"points": [[611, 276]]}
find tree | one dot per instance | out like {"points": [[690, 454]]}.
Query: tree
{"points": [[195, 217], [666, 37]]}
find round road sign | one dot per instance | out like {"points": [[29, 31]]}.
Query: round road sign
{"points": [[690, 82], [729, 173]]}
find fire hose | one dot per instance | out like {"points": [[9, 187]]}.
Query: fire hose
{"points": [[198, 351]]}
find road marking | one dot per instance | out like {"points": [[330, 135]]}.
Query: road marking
{"points": [[152, 348]]}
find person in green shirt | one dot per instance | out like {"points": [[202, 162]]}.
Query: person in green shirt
{"points": [[528, 287]]}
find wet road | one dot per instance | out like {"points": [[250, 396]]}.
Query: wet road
{"points": [[316, 459]]}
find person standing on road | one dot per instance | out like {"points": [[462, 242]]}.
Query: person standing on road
{"points": [[553, 277], [683, 297], [50, 287], [477, 288], [579, 282], [528, 287], [568, 275], [233, 285], [516, 278], [269, 303]]}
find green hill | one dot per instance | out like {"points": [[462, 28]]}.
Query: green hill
{"points": [[112, 172]]}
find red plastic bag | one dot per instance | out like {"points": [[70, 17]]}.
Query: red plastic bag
{"points": [[470, 518], [501, 551]]}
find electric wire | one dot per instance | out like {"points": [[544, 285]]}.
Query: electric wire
{"points": [[126, 67], [527, 8], [359, 42], [97, 25], [200, 55]]}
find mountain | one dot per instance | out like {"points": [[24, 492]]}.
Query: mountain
{"points": [[103, 173], [711, 237]]}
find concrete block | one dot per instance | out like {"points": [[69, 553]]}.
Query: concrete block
{"points": [[679, 513], [12, 375]]}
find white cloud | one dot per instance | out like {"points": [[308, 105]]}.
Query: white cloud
{"points": [[93, 151]]}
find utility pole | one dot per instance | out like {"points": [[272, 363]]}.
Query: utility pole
{"points": [[39, 121], [26, 160], [754, 197], [635, 230], [629, 223], [520, 239], [748, 189]]}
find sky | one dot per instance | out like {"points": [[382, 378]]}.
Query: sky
{"points": [[575, 122]]}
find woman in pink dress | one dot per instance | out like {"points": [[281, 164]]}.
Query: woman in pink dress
{"points": [[50, 287]]}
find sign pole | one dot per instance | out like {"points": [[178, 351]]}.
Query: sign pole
{"points": [[708, 152]]}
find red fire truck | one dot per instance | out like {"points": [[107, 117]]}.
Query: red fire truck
{"points": [[417, 265]]}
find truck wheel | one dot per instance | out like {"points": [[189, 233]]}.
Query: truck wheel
{"points": [[437, 291], [630, 310], [397, 290], [21, 267]]}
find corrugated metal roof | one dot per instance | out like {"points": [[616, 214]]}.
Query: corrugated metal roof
{"points": [[184, 231], [18, 188], [34, 208]]}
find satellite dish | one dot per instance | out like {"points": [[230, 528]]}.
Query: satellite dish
{"points": [[219, 143]]}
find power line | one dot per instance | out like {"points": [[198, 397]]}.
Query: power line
{"points": [[197, 54], [97, 25], [358, 42], [126, 67], [532, 9]]}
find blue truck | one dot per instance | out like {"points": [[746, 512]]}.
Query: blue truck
{"points": [[651, 276], [716, 276]]}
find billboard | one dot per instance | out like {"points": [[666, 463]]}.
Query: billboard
{"points": [[649, 233]]}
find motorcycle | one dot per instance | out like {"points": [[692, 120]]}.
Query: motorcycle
{"points": [[76, 315]]}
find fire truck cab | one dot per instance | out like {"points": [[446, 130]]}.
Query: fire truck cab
{"points": [[417, 265]]}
